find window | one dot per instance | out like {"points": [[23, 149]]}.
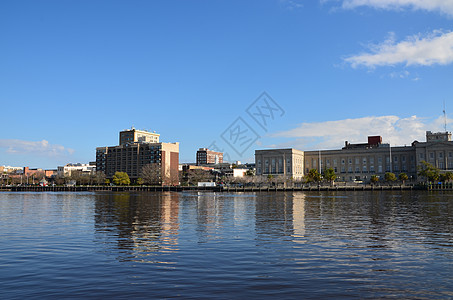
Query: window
{"points": [[356, 160], [335, 162], [350, 160], [357, 169], [364, 160], [343, 170], [342, 161], [364, 169], [371, 168], [403, 159], [371, 160], [350, 169], [380, 160], [395, 158], [431, 155], [441, 155], [421, 155]]}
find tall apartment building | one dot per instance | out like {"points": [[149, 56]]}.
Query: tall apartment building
{"points": [[361, 161], [206, 156], [132, 155]]}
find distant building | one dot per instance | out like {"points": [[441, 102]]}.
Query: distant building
{"points": [[67, 169], [133, 135], [206, 156], [235, 172], [9, 169], [136, 151], [358, 162], [27, 172]]}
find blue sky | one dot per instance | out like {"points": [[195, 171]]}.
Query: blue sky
{"points": [[75, 73]]}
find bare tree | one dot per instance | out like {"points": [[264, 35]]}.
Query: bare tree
{"points": [[195, 176], [99, 178], [151, 174]]}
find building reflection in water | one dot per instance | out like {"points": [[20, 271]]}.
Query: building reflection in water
{"points": [[138, 227], [298, 216], [151, 227], [220, 216]]}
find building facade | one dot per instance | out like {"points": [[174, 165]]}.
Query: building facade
{"points": [[358, 162], [138, 136], [132, 156], [67, 169], [281, 162], [206, 156]]}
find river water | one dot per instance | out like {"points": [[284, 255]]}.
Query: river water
{"points": [[192, 245]]}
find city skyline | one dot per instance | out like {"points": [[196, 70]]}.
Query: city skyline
{"points": [[76, 73]]}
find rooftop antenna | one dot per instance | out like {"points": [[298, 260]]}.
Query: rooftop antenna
{"points": [[445, 118]]}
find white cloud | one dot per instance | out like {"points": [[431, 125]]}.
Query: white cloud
{"points": [[42, 148], [333, 134], [291, 4], [435, 48], [444, 6]]}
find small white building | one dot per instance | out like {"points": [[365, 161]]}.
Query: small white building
{"points": [[69, 168], [235, 172]]}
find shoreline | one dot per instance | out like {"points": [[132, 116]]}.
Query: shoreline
{"points": [[218, 188]]}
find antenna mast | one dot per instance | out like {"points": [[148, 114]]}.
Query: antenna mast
{"points": [[445, 118]]}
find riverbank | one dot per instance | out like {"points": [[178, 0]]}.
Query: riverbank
{"points": [[216, 188]]}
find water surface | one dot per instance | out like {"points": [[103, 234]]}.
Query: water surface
{"points": [[205, 245]]}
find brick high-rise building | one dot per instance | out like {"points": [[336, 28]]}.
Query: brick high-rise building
{"points": [[132, 155], [206, 156]]}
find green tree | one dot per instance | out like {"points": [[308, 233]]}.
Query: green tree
{"points": [[374, 179], [313, 176], [428, 171], [329, 175], [403, 177], [249, 173], [448, 176], [121, 178], [390, 177], [140, 181]]}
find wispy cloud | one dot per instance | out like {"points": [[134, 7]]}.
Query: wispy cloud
{"points": [[291, 4], [333, 134], [433, 49], [41, 148], [443, 6]]}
